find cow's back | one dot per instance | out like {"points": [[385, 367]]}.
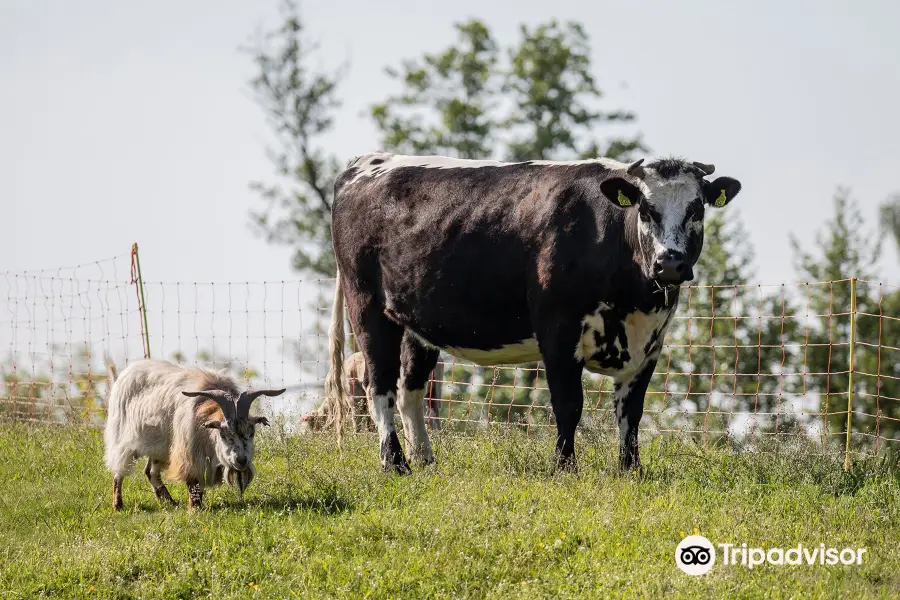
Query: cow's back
{"points": [[453, 250]]}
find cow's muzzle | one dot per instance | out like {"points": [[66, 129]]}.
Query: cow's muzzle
{"points": [[672, 269]]}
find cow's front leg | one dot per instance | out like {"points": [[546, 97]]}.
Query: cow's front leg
{"points": [[567, 399], [629, 398]]}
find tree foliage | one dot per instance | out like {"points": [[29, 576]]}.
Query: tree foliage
{"points": [[726, 344], [538, 100], [555, 98], [299, 103], [447, 99], [890, 219], [846, 249]]}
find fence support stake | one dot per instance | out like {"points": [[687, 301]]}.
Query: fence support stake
{"points": [[847, 460], [138, 280]]}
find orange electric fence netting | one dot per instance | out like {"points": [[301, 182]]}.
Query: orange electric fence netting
{"points": [[740, 361]]}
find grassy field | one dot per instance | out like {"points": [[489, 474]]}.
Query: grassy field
{"points": [[488, 521]]}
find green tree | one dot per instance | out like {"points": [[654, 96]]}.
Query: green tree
{"points": [[846, 249], [447, 99], [554, 96], [890, 219], [299, 103], [727, 343], [541, 102]]}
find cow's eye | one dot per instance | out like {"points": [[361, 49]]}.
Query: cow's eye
{"points": [[648, 214]]}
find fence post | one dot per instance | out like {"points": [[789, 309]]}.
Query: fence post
{"points": [[138, 281], [847, 460]]}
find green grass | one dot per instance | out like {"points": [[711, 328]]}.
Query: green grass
{"points": [[488, 521]]}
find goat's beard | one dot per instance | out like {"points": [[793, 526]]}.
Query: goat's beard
{"points": [[240, 480]]}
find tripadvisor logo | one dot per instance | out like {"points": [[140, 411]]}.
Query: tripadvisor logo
{"points": [[696, 555]]}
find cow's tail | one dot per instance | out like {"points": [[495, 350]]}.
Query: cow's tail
{"points": [[337, 404]]}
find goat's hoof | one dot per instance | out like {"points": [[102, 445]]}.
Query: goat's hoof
{"points": [[163, 495]]}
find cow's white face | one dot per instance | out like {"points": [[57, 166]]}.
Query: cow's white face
{"points": [[670, 206], [670, 226]]}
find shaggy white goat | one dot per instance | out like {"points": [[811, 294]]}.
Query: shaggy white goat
{"points": [[193, 423]]}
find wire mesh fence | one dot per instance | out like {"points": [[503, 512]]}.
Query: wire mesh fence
{"points": [[740, 362]]}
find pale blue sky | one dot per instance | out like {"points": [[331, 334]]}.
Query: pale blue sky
{"points": [[124, 122]]}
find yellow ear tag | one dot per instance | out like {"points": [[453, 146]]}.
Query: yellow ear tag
{"points": [[721, 200], [623, 199]]}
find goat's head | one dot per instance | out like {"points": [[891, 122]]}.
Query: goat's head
{"points": [[234, 442]]}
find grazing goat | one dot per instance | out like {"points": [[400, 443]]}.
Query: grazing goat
{"points": [[193, 423]]}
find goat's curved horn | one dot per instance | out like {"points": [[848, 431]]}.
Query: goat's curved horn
{"points": [[247, 398], [222, 398], [707, 169]]}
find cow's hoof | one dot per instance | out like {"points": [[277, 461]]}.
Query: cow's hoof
{"points": [[392, 458], [397, 464], [634, 470], [422, 458], [566, 464]]}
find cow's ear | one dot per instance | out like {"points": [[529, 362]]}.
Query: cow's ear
{"points": [[720, 192], [620, 192]]}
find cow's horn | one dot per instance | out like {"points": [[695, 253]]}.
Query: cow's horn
{"points": [[636, 169], [707, 169]]}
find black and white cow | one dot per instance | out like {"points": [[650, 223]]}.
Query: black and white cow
{"points": [[573, 263]]}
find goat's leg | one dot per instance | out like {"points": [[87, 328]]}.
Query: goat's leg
{"points": [[117, 492], [153, 470], [195, 494]]}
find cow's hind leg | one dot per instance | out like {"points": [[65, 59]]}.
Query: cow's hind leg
{"points": [[418, 362], [379, 340]]}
